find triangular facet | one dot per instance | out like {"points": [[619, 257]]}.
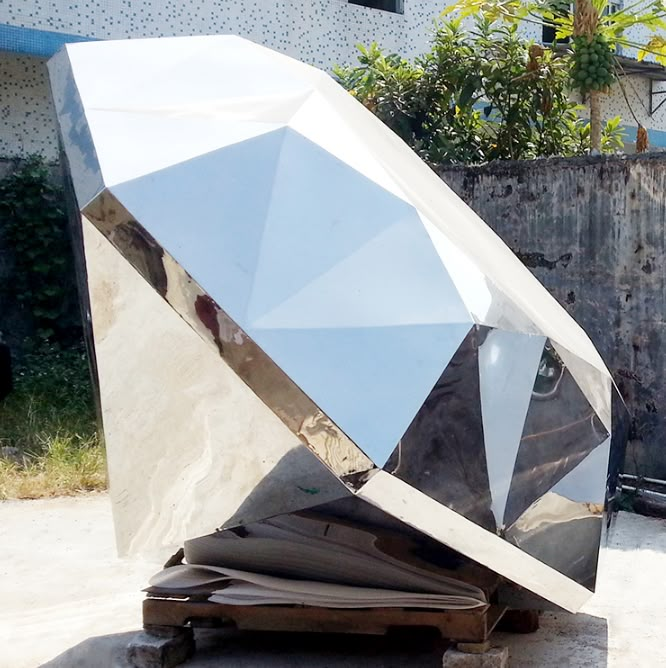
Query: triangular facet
{"points": [[587, 482], [508, 364], [596, 385], [370, 381], [223, 195], [442, 452], [561, 429], [392, 279], [321, 211]]}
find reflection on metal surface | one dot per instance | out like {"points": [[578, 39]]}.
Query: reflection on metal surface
{"points": [[283, 294], [507, 367], [189, 446], [84, 169], [563, 534], [262, 375], [409, 505], [561, 429], [442, 453]]}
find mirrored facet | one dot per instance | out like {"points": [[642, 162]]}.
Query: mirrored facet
{"points": [[442, 452], [372, 380], [368, 231], [595, 384], [561, 429], [75, 133], [563, 534], [223, 195], [486, 303], [587, 482], [563, 527], [181, 461], [508, 364], [296, 410]]}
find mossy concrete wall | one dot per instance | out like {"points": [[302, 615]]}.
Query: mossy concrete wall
{"points": [[593, 231]]}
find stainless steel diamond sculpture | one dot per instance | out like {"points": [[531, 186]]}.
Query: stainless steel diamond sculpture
{"points": [[288, 308]]}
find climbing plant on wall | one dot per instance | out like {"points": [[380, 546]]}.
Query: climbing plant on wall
{"points": [[33, 223]]}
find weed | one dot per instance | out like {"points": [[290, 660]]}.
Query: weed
{"points": [[48, 422]]}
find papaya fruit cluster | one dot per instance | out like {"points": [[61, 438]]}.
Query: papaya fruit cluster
{"points": [[593, 64]]}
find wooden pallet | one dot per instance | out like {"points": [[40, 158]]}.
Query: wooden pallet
{"points": [[468, 626]]}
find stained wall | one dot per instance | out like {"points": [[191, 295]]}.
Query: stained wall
{"points": [[593, 231]]}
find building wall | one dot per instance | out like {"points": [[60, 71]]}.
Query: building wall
{"points": [[320, 32], [27, 122], [593, 231]]}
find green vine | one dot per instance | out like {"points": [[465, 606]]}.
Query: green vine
{"points": [[34, 224]]}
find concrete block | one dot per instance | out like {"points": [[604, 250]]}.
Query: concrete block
{"points": [[161, 649], [495, 657]]}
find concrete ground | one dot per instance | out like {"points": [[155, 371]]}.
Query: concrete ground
{"points": [[68, 602]]}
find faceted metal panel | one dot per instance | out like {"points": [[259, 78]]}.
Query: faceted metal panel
{"points": [[178, 421], [561, 429], [563, 528], [508, 365], [75, 133], [367, 279], [430, 454], [330, 296], [296, 410]]}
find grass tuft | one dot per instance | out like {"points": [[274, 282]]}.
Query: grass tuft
{"points": [[48, 424]]}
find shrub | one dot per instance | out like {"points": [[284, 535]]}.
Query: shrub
{"points": [[477, 95]]}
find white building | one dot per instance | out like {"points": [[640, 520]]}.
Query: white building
{"points": [[320, 32]]}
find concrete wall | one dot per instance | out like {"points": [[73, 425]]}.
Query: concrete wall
{"points": [[592, 230]]}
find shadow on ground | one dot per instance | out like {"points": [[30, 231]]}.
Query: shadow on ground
{"points": [[563, 640], [277, 650]]}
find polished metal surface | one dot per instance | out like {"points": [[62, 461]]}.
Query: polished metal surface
{"points": [[189, 446], [296, 410], [430, 454], [561, 430], [290, 308]]}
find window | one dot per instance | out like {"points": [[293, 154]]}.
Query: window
{"points": [[548, 32], [395, 6], [612, 7]]}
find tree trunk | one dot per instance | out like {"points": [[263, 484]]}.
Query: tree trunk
{"points": [[586, 21], [595, 121]]}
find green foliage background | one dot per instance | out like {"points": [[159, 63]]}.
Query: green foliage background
{"points": [[47, 423], [34, 224], [479, 94]]}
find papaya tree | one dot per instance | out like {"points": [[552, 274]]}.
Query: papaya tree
{"points": [[596, 34], [480, 93]]}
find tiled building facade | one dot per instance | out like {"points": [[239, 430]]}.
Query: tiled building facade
{"points": [[320, 32]]}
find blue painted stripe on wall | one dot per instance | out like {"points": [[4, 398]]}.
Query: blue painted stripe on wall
{"points": [[657, 138], [33, 42]]}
